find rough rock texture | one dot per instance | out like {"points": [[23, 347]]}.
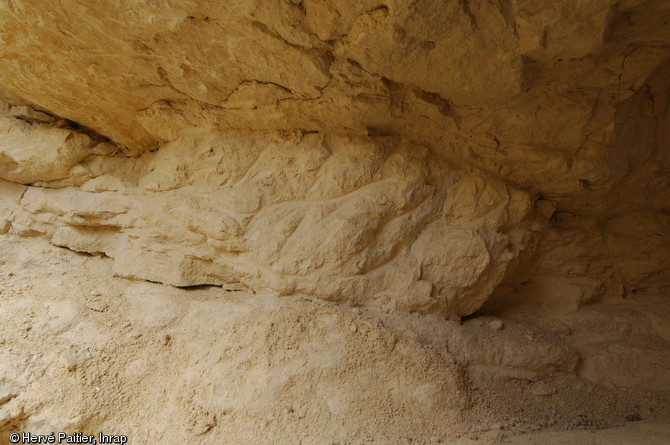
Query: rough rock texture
{"points": [[82, 350], [455, 158], [338, 217], [455, 148]]}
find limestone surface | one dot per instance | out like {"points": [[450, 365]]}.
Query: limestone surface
{"points": [[342, 218], [444, 216], [359, 152]]}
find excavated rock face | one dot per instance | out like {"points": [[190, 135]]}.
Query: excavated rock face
{"points": [[417, 156]]}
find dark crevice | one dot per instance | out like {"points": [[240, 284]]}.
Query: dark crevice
{"points": [[465, 4], [231, 287], [82, 252], [443, 105], [75, 126], [53, 120]]}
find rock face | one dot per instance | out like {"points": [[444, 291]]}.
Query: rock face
{"points": [[407, 155], [341, 218]]}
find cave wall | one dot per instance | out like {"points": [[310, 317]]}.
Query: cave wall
{"points": [[344, 218], [355, 151]]}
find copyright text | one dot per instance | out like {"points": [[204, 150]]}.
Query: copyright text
{"points": [[67, 438]]}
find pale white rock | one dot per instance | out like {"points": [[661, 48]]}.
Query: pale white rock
{"points": [[30, 153], [342, 218], [496, 325]]}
